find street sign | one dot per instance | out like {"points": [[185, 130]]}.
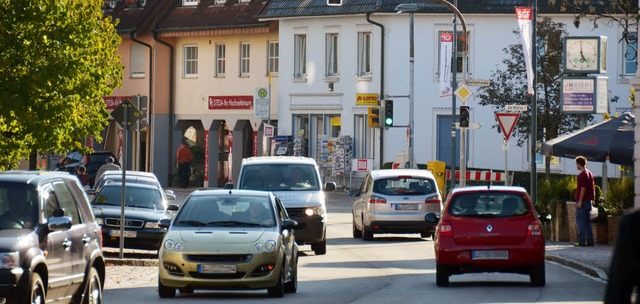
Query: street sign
{"points": [[362, 165], [516, 108], [268, 130], [262, 103], [143, 105], [507, 123], [463, 92], [475, 125], [479, 82], [133, 114]]}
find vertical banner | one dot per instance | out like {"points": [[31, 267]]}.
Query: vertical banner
{"points": [[206, 156], [524, 15], [446, 45], [230, 159], [120, 144], [255, 143]]}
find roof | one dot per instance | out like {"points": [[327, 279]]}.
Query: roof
{"points": [[297, 8], [230, 192], [387, 173], [139, 19], [129, 185], [278, 160], [489, 188], [32, 177]]}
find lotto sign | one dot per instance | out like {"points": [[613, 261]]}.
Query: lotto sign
{"points": [[362, 165]]}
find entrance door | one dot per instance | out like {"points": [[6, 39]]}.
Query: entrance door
{"points": [[223, 155], [443, 141]]}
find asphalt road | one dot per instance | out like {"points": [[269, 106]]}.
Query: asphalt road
{"points": [[390, 269]]}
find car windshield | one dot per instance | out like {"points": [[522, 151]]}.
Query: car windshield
{"points": [[405, 186], [226, 211], [18, 206], [137, 197], [117, 178], [280, 177], [488, 204]]}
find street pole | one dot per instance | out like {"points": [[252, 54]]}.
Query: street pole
{"points": [[269, 119], [411, 91], [463, 131], [506, 164], [534, 105], [124, 175], [454, 84]]}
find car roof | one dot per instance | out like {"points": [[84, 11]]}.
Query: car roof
{"points": [[387, 173], [278, 160], [230, 192], [32, 177], [488, 189], [131, 173], [135, 185]]}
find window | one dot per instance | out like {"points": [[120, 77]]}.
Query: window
{"points": [[221, 51], [273, 56], [630, 55], [459, 45], [364, 54], [190, 60], [299, 55], [137, 61], [189, 2], [65, 202], [245, 52], [361, 136], [331, 54]]}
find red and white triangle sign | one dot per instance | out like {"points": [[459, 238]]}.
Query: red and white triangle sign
{"points": [[507, 123]]}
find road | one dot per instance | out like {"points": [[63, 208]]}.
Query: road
{"points": [[390, 269]]}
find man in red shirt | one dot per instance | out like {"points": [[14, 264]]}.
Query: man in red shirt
{"points": [[184, 158], [585, 194]]}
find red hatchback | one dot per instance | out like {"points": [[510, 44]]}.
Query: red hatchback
{"points": [[489, 229]]}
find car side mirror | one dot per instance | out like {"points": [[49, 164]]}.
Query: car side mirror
{"points": [[289, 224], [165, 223], [431, 218], [90, 192], [354, 192], [228, 186], [171, 196], [173, 207], [330, 186], [59, 223], [545, 217]]}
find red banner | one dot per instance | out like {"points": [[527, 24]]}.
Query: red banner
{"points": [[113, 102], [230, 102], [255, 143], [206, 155]]}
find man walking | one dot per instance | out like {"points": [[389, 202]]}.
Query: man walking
{"points": [[184, 157], [585, 194], [109, 166]]}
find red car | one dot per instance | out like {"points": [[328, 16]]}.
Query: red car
{"points": [[489, 229]]}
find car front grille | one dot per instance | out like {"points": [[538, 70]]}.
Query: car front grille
{"points": [[216, 276], [237, 258], [115, 222], [296, 212]]}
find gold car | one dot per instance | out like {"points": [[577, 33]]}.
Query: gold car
{"points": [[229, 239]]}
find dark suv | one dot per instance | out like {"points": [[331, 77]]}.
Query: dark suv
{"points": [[92, 161], [50, 243]]}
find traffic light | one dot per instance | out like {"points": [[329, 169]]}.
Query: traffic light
{"points": [[388, 113], [374, 117], [334, 2], [464, 116]]}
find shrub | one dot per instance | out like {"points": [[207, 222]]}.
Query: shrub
{"points": [[620, 195]]}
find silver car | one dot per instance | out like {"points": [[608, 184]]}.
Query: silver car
{"points": [[395, 201]]}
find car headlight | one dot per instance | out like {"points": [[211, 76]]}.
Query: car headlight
{"points": [[9, 260], [152, 225], [319, 210], [259, 247], [270, 246], [100, 221], [175, 246]]}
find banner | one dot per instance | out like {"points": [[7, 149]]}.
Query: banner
{"points": [[525, 23], [446, 49]]}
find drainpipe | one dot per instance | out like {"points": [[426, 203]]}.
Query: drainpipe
{"points": [[171, 165], [378, 8], [132, 35]]}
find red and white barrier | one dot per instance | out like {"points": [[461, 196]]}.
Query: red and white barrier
{"points": [[486, 176]]}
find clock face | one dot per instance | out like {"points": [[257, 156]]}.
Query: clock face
{"points": [[582, 54]]}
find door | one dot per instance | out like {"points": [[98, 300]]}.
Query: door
{"points": [[288, 242], [58, 249], [444, 141]]}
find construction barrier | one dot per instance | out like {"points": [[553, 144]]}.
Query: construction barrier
{"points": [[484, 176]]}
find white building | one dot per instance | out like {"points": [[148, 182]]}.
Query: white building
{"points": [[334, 53]]}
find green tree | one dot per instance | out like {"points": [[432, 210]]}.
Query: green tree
{"points": [[58, 58], [509, 86]]}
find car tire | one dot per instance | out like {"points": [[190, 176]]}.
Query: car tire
{"points": [[442, 276], [36, 292], [292, 285], [278, 290], [425, 234], [186, 290], [537, 276], [164, 291], [319, 248], [357, 233], [93, 290], [367, 234]]}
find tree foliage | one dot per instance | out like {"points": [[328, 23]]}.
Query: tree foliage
{"points": [[58, 58]]}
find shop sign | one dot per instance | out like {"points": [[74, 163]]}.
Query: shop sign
{"points": [[336, 121], [368, 99], [113, 102], [230, 102], [584, 95]]}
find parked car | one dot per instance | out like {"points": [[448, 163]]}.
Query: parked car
{"points": [[395, 201], [144, 207], [49, 240], [92, 161], [71, 162], [489, 229], [296, 181], [229, 239], [136, 177]]}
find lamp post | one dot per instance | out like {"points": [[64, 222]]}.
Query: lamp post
{"points": [[411, 8]]}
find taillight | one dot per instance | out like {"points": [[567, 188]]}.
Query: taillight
{"points": [[433, 201], [445, 229], [533, 228], [377, 200]]}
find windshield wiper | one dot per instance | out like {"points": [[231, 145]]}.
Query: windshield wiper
{"points": [[233, 223], [192, 223]]}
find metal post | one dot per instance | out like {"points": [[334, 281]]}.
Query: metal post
{"points": [[124, 175], [463, 131], [534, 104], [454, 85], [506, 164], [269, 119], [411, 91]]}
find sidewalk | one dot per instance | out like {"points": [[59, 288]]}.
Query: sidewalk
{"points": [[591, 260]]}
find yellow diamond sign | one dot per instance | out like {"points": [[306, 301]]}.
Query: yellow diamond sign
{"points": [[463, 92]]}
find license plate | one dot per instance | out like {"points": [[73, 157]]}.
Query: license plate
{"points": [[127, 234], [490, 254], [406, 206], [212, 268]]}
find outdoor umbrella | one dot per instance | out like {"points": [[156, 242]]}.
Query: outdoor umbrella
{"points": [[611, 138]]}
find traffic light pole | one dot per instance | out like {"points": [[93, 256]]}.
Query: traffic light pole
{"points": [[411, 92]]}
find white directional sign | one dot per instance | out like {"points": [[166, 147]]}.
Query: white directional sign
{"points": [[261, 104], [507, 123], [516, 108], [479, 82], [475, 125]]}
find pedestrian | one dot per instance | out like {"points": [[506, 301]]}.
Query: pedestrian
{"points": [[83, 176], [184, 158], [110, 165], [585, 194], [624, 273]]}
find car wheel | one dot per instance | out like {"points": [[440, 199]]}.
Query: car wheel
{"points": [[93, 291], [442, 276], [356, 232], [537, 276], [367, 234], [292, 285], [278, 290], [37, 293], [164, 291], [425, 234], [319, 248], [186, 290]]}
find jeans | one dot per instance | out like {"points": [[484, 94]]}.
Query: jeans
{"points": [[585, 234], [184, 170]]}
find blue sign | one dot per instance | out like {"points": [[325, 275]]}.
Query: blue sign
{"points": [[283, 138]]}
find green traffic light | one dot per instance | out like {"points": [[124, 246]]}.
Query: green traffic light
{"points": [[388, 121]]}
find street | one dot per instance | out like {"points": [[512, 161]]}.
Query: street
{"points": [[391, 269]]}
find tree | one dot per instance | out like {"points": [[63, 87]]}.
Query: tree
{"points": [[58, 58], [509, 86]]}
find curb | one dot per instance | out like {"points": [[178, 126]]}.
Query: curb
{"points": [[592, 271], [131, 262]]}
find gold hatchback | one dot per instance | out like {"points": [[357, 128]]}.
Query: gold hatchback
{"points": [[229, 239]]}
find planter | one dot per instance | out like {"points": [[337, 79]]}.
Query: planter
{"points": [[571, 222], [612, 223], [560, 223], [600, 232]]}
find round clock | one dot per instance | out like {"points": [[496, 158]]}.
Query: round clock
{"points": [[581, 54]]}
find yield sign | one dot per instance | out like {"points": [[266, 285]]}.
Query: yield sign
{"points": [[507, 122]]}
